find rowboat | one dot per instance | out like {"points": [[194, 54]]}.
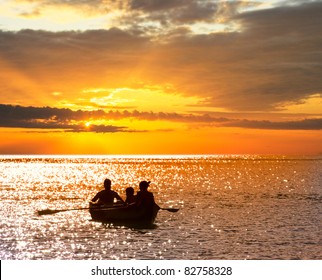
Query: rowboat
{"points": [[118, 214], [124, 215]]}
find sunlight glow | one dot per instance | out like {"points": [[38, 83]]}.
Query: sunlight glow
{"points": [[22, 15], [142, 99]]}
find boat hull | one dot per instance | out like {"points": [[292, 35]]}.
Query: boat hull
{"points": [[124, 215]]}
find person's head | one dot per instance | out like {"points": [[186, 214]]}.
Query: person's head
{"points": [[107, 184], [129, 191], [144, 185]]}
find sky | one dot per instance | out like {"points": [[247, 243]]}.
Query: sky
{"points": [[160, 77]]}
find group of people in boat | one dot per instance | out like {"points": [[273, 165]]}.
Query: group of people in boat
{"points": [[108, 197]]}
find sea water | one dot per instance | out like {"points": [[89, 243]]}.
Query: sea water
{"points": [[231, 207]]}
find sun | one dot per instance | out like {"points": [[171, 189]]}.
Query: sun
{"points": [[87, 124]]}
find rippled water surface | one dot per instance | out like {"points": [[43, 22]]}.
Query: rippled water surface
{"points": [[231, 207]]}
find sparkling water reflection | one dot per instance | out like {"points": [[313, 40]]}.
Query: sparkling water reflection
{"points": [[231, 207]]}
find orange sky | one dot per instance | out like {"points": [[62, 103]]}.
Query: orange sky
{"points": [[160, 77]]}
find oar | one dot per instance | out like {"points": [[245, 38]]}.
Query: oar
{"points": [[170, 209], [50, 211]]}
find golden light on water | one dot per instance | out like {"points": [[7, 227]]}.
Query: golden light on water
{"points": [[220, 198]]}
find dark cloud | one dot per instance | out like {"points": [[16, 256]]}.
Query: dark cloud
{"points": [[138, 12], [64, 119], [306, 124], [68, 61], [278, 55], [32, 46], [177, 11], [48, 117], [51, 118], [158, 5], [275, 58]]}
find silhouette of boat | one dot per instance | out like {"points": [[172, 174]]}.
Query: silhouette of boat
{"points": [[124, 215]]}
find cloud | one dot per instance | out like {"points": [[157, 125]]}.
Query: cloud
{"points": [[306, 124], [273, 58], [178, 11], [37, 63], [173, 11], [51, 118], [157, 5], [73, 121]]}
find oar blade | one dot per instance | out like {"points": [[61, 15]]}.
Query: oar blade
{"points": [[171, 209], [47, 212], [50, 211]]}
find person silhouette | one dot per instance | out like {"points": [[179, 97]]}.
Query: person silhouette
{"points": [[106, 196], [144, 198], [130, 197]]}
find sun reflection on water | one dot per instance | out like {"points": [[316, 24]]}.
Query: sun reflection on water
{"points": [[231, 207]]}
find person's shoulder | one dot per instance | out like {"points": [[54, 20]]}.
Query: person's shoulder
{"points": [[150, 196], [100, 193]]}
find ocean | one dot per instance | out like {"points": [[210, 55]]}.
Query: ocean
{"points": [[232, 207]]}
